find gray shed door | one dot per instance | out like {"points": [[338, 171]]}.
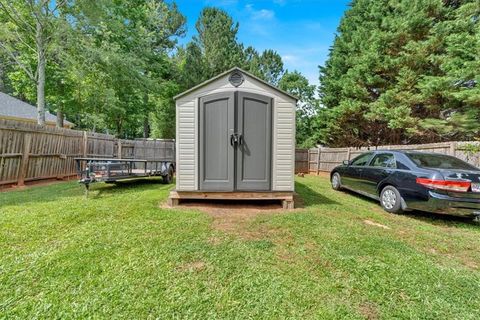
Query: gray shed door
{"points": [[217, 116], [253, 153], [235, 142]]}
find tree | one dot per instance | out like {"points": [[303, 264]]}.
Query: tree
{"points": [[396, 71], [271, 66], [217, 40], [216, 49], [307, 107], [191, 65], [252, 61], [28, 29]]}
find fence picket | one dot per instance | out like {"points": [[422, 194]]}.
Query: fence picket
{"points": [[329, 158], [32, 152]]}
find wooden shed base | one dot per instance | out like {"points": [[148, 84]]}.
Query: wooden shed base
{"points": [[285, 196]]}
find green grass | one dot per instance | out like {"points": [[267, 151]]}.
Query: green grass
{"points": [[118, 254]]}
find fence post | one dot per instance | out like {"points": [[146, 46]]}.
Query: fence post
{"points": [[27, 140], [318, 160], [309, 152], [453, 148], [119, 150], [85, 144], [348, 153]]}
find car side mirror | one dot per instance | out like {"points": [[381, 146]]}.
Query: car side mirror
{"points": [[346, 162]]}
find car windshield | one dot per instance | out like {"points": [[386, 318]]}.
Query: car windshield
{"points": [[439, 161]]}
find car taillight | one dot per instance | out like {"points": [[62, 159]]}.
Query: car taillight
{"points": [[449, 185]]}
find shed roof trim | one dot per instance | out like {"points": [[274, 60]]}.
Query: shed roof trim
{"points": [[227, 72]]}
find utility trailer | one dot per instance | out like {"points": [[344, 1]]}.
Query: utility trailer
{"points": [[137, 158], [111, 170]]}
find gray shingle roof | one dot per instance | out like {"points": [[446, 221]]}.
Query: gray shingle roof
{"points": [[15, 108]]}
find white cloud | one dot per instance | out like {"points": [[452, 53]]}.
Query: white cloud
{"points": [[262, 14], [289, 58]]}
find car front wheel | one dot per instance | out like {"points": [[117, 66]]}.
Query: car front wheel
{"points": [[391, 200], [336, 181]]}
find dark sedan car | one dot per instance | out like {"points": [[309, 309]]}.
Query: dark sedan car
{"points": [[408, 180]]}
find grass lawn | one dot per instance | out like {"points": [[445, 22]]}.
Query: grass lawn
{"points": [[118, 254]]}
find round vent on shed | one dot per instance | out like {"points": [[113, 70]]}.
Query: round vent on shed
{"points": [[236, 78]]}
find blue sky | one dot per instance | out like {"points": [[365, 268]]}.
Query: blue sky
{"points": [[301, 31]]}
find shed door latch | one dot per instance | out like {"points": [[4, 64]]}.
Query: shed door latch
{"points": [[236, 139]]}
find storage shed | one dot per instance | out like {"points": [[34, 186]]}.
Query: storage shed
{"points": [[235, 140]]}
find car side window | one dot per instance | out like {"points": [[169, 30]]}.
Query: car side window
{"points": [[402, 166], [361, 160], [383, 160]]}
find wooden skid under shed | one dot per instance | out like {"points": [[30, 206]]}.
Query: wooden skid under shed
{"points": [[285, 196]]}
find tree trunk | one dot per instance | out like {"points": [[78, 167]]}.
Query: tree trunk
{"points": [[60, 118], [41, 63], [146, 127], [2, 74]]}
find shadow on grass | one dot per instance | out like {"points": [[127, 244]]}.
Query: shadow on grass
{"points": [[39, 194], [438, 219], [61, 190], [308, 197], [123, 186]]}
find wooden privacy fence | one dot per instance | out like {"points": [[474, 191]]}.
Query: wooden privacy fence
{"points": [[31, 152], [325, 159]]}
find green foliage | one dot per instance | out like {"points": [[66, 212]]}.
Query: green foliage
{"points": [[106, 58], [216, 49], [403, 72], [113, 66], [217, 40], [307, 107]]}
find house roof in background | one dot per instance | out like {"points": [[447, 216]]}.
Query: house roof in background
{"points": [[14, 108]]}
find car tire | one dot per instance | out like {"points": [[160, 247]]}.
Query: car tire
{"points": [[336, 181], [391, 200]]}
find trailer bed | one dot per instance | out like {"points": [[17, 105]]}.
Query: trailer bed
{"points": [[110, 170]]}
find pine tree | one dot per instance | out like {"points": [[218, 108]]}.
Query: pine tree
{"points": [[217, 40], [401, 72]]}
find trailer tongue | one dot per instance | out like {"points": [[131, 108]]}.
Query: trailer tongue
{"points": [[108, 170]]}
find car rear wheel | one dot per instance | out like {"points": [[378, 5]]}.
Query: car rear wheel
{"points": [[336, 181], [391, 200]]}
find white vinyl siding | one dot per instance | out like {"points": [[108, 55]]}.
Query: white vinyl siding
{"points": [[186, 146], [283, 146]]}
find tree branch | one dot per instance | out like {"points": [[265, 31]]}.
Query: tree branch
{"points": [[17, 20], [18, 62], [57, 6], [20, 39]]}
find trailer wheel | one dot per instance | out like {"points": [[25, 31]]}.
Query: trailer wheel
{"points": [[168, 178]]}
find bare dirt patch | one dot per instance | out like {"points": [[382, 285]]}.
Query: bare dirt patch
{"points": [[235, 217], [369, 310], [376, 224], [192, 266]]}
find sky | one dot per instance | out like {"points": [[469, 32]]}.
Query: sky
{"points": [[301, 31]]}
